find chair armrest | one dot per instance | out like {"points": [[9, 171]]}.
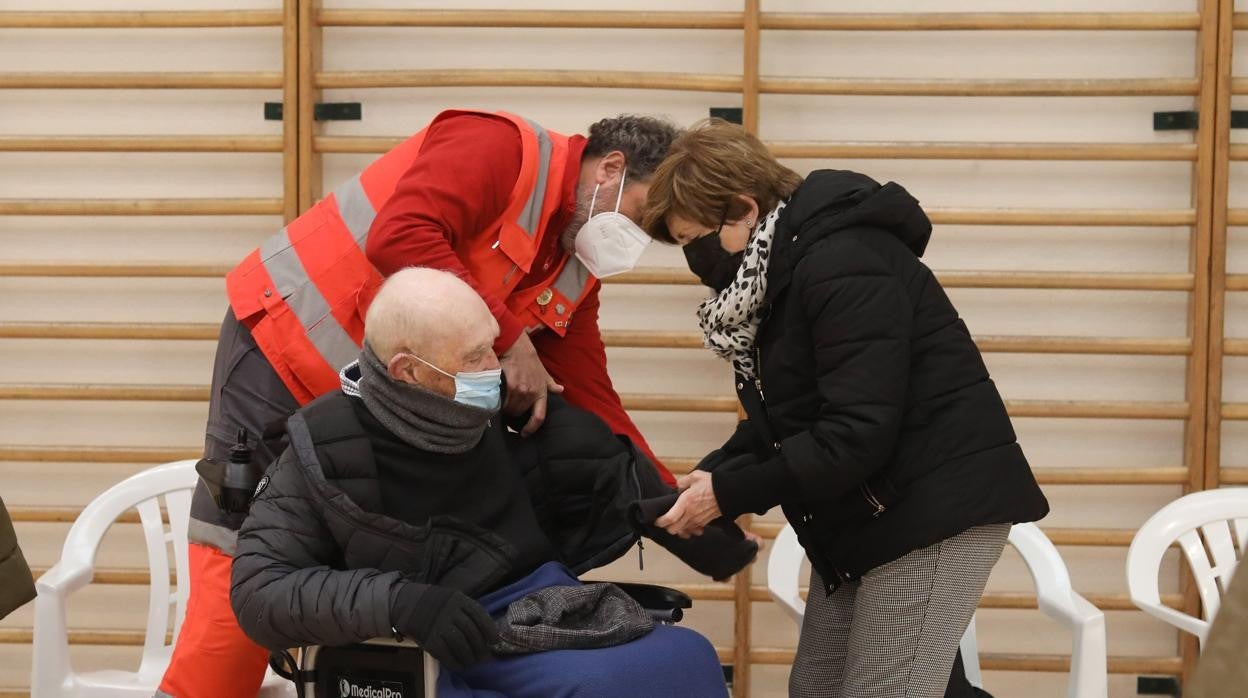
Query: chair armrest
{"points": [[653, 597]]}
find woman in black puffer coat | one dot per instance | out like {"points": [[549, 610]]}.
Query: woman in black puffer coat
{"points": [[871, 417]]}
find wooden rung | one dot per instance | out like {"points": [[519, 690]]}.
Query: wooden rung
{"points": [[1104, 537], [144, 144], [993, 600], [96, 454], [537, 19], [1105, 281], [1097, 409], [632, 80], [1118, 281], [1235, 347], [1237, 282], [1237, 216], [108, 330], [1239, 151], [117, 575], [1239, 86], [140, 207], [1064, 217], [1022, 344], [984, 151], [1111, 476], [1235, 411], [985, 21], [643, 402], [145, 19], [115, 638], [650, 339], [109, 270], [25, 514], [141, 81], [900, 87], [1005, 662], [1240, 20], [883, 150], [1233, 476]]}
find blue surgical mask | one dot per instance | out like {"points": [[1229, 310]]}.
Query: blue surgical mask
{"points": [[481, 389]]}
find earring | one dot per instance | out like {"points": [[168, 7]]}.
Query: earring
{"points": [[749, 223]]}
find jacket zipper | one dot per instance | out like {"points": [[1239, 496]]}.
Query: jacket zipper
{"points": [[641, 546], [879, 508]]}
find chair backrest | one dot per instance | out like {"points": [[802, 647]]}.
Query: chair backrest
{"points": [[172, 482], [1211, 528]]}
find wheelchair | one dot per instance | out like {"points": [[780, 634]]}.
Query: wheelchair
{"points": [[399, 668]]}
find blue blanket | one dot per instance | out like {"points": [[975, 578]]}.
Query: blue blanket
{"points": [[669, 661]]}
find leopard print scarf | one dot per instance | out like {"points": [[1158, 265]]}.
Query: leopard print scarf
{"points": [[730, 319]]}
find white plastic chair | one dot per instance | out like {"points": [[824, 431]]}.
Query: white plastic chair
{"points": [[1056, 599], [52, 672], [1207, 526]]}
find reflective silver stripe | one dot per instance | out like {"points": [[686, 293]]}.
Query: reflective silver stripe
{"points": [[331, 340], [305, 300], [219, 537], [531, 216], [572, 279], [355, 208], [282, 263]]}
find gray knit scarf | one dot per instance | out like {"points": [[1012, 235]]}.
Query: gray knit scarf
{"points": [[424, 419]]}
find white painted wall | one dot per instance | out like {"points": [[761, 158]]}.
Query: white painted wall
{"points": [[1050, 443]]}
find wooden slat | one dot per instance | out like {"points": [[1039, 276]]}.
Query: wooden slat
{"points": [[1238, 151], [632, 80], [1240, 20], [537, 19], [645, 402], [1236, 411], [1022, 344], [96, 454], [141, 81], [1105, 281], [982, 21], [649, 339], [142, 144], [1064, 217], [1094, 537], [1239, 86], [1233, 476], [51, 514], [146, 19], [872, 150], [1237, 216], [902, 87], [1237, 282], [993, 600], [114, 638], [983, 151], [1235, 347], [117, 576], [1111, 476], [1013, 662], [140, 207], [975, 279], [111, 269], [109, 330]]}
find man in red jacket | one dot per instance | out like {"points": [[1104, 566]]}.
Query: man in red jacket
{"points": [[530, 218]]}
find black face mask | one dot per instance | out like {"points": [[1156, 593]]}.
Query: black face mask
{"points": [[714, 265]]}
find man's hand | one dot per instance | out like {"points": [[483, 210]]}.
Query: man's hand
{"points": [[694, 509], [527, 383]]}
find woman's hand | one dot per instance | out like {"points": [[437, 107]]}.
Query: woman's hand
{"points": [[694, 509]]}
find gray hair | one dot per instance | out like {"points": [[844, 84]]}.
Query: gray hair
{"points": [[644, 140]]}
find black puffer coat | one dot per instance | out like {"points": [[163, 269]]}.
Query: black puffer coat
{"points": [[319, 563], [875, 422]]}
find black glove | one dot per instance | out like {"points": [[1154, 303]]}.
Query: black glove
{"points": [[453, 628]]}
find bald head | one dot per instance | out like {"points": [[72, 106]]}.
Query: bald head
{"points": [[436, 316]]}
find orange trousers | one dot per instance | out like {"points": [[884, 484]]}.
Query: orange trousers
{"points": [[212, 657]]}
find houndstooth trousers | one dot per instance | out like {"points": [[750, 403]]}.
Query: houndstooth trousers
{"points": [[894, 633]]}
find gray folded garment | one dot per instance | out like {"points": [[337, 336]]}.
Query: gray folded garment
{"points": [[583, 617]]}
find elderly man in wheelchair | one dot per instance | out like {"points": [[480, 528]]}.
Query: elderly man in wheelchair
{"points": [[405, 510]]}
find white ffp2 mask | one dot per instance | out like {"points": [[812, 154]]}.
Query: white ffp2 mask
{"points": [[609, 243]]}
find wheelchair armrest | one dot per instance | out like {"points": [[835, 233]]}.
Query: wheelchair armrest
{"points": [[656, 598]]}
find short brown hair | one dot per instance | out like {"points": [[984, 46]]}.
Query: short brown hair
{"points": [[707, 167]]}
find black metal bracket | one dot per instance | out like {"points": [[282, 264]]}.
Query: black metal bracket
{"points": [[321, 111], [732, 114], [1190, 120], [1157, 686]]}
